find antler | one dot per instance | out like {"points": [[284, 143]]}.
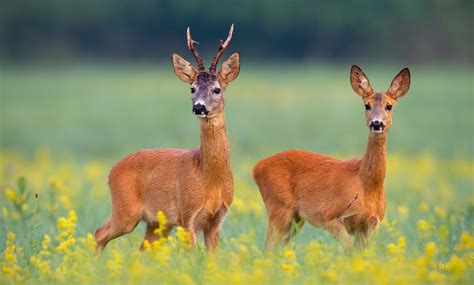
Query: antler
{"points": [[191, 43], [222, 46]]}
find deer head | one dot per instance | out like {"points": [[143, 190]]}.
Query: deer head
{"points": [[207, 87], [379, 105]]}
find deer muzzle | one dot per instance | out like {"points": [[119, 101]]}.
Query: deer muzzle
{"points": [[200, 110], [376, 126]]}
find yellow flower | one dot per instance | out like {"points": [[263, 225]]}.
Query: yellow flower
{"points": [[162, 223], [288, 267], [62, 223], [466, 242], [114, 264], [430, 250], [435, 276], [72, 216], [11, 237], [358, 265], [403, 211], [423, 225], [331, 275], [10, 194], [10, 255], [456, 267], [146, 245], [289, 254], [184, 237], [402, 242], [161, 218], [392, 248]]}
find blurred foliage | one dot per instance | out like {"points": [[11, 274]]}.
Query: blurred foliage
{"points": [[109, 110], [378, 30]]}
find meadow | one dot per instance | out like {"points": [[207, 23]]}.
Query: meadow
{"points": [[63, 126]]}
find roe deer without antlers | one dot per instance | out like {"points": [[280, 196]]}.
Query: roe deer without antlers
{"points": [[344, 197], [193, 188]]}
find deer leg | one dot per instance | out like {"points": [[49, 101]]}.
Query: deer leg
{"points": [[295, 229], [212, 233], [150, 235], [279, 226], [338, 230], [364, 232], [362, 237], [212, 236], [115, 227]]}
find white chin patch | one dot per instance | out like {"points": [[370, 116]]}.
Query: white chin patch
{"points": [[376, 131], [201, 116]]}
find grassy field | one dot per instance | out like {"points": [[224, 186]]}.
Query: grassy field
{"points": [[63, 126]]}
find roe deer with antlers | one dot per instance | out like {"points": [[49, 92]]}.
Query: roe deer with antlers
{"points": [[344, 197], [193, 188]]}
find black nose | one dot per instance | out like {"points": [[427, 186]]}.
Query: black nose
{"points": [[377, 125], [200, 109]]}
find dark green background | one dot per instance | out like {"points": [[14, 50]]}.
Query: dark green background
{"points": [[420, 30]]}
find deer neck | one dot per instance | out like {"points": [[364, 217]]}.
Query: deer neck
{"points": [[373, 163], [214, 153]]}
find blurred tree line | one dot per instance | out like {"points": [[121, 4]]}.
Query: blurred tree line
{"points": [[415, 30]]}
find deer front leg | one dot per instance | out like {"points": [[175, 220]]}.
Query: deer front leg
{"points": [[364, 232], [212, 236], [338, 230], [362, 237], [212, 233]]}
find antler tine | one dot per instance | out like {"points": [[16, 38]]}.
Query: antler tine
{"points": [[222, 47], [191, 43]]}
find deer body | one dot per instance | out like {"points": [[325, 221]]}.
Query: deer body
{"points": [[344, 197], [193, 188]]}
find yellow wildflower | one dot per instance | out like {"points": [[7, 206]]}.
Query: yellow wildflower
{"points": [[466, 242], [403, 211], [423, 225], [10, 194], [184, 237]]}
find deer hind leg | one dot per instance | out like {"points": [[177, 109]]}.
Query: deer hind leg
{"points": [[151, 236], [279, 226], [118, 225], [338, 230], [295, 228]]}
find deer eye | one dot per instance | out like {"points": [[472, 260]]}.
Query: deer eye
{"points": [[367, 107], [193, 89], [388, 107], [217, 91]]}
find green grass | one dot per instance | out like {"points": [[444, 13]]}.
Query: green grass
{"points": [[108, 111]]}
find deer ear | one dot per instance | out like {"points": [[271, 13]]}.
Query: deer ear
{"points": [[400, 84], [230, 68], [360, 83], [183, 69]]}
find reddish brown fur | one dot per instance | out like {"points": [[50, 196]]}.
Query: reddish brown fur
{"points": [[344, 197], [193, 188]]}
